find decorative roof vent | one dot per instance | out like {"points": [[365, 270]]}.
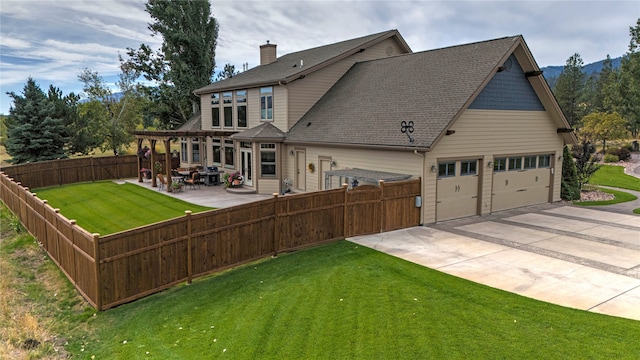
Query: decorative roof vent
{"points": [[267, 53]]}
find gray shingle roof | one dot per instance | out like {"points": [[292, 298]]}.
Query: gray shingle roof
{"points": [[193, 124], [264, 132], [367, 105], [288, 66]]}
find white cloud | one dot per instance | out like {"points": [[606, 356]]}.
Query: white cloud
{"points": [[52, 40]]}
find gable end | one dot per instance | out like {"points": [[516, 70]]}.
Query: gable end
{"points": [[508, 90]]}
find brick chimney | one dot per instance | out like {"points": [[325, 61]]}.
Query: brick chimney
{"points": [[267, 53]]}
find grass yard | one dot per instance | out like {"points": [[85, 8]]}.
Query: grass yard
{"points": [[614, 176], [344, 301], [105, 207], [620, 197]]}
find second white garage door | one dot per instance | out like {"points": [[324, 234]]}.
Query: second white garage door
{"points": [[520, 181]]}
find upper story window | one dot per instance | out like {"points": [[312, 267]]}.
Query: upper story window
{"points": [[215, 110], [266, 103], [227, 103], [241, 107]]}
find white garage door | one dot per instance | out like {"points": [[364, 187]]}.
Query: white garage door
{"points": [[520, 181], [457, 189]]}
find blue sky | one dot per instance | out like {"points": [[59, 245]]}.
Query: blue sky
{"points": [[53, 40]]}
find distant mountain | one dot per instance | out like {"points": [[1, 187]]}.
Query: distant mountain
{"points": [[551, 72]]}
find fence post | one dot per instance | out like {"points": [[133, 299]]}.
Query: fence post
{"points": [[118, 168], [276, 224], [73, 249], [98, 277], [93, 170], [189, 255], [381, 185], [345, 218], [59, 171]]}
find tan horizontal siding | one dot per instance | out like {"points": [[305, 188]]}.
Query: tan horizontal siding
{"points": [[268, 186], [500, 132], [205, 110], [485, 134], [390, 161]]}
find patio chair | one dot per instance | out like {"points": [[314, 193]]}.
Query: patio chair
{"points": [[162, 183], [194, 180]]}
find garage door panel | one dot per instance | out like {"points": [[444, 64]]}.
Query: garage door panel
{"points": [[456, 208], [457, 197], [520, 188], [461, 186]]}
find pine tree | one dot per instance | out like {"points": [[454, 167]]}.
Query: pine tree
{"points": [[569, 90], [34, 130], [606, 96], [629, 106]]}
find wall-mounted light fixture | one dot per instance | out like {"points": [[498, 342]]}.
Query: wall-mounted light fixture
{"points": [[489, 164], [433, 168], [291, 153], [333, 163]]}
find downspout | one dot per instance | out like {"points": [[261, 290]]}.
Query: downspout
{"points": [[422, 186]]}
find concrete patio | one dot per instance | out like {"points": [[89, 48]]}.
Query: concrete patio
{"points": [[213, 196]]}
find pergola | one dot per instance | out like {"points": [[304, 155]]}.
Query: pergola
{"points": [[166, 136]]}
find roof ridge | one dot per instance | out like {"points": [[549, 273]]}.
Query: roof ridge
{"points": [[372, 36]]}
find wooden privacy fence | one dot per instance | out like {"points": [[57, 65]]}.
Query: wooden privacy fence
{"points": [[118, 268], [68, 171]]}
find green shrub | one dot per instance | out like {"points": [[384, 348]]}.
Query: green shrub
{"points": [[622, 153], [570, 185], [610, 158]]}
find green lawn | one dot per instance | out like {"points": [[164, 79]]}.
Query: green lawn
{"points": [[614, 176], [344, 301], [620, 197], [105, 207]]}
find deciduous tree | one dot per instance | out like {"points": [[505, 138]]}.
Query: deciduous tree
{"points": [[599, 126], [186, 60], [114, 118]]}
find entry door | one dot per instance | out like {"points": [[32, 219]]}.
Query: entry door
{"points": [[325, 165], [301, 170], [247, 167]]}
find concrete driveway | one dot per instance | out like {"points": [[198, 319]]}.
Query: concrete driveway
{"points": [[567, 255]]}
